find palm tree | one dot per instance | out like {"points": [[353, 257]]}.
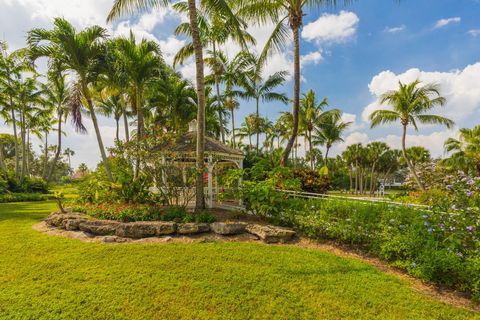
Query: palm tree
{"points": [[57, 94], [418, 154], [12, 65], [112, 105], [81, 53], [282, 12], [329, 131], [465, 151], [409, 103], [69, 153], [311, 115], [130, 6], [375, 152], [256, 87]]}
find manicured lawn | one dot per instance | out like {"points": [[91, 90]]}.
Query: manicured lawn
{"points": [[44, 277]]}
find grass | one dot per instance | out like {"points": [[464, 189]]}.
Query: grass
{"points": [[45, 277]]}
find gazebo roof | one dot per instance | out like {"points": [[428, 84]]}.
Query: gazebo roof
{"points": [[187, 144]]}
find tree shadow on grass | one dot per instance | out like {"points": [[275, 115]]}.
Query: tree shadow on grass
{"points": [[25, 210]]}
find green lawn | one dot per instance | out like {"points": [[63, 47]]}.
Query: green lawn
{"points": [[44, 277]]}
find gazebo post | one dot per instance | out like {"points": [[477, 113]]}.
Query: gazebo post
{"points": [[210, 181]]}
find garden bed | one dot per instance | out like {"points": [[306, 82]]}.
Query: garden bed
{"points": [[115, 231]]}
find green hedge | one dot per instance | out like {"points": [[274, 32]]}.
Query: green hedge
{"points": [[23, 197], [439, 247]]}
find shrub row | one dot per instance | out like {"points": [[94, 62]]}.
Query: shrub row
{"points": [[142, 212], [23, 197], [435, 246]]}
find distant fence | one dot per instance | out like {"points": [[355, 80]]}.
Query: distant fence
{"points": [[310, 195]]}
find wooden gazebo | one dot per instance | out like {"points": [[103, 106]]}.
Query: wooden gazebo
{"points": [[217, 156]]}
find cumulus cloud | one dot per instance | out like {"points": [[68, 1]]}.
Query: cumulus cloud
{"points": [[332, 28], [474, 32], [314, 57], [394, 29], [445, 22], [459, 87]]}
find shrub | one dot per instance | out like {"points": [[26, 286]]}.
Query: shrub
{"points": [[312, 181], [22, 197]]}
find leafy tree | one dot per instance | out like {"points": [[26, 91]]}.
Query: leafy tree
{"points": [[465, 151]]}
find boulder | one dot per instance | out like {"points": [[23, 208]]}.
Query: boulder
{"points": [[227, 228], [192, 228], [271, 234], [59, 219], [98, 227], [113, 239], [145, 229], [72, 224]]}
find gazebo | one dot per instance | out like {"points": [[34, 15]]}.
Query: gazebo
{"points": [[217, 157]]}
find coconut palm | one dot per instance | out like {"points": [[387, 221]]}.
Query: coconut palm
{"points": [[285, 14], [57, 94], [409, 103], [465, 151], [121, 7], [12, 65], [375, 151], [329, 131], [69, 153], [80, 53], [256, 86]]}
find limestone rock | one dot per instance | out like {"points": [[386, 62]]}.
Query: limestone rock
{"points": [[113, 239], [59, 219], [145, 229], [99, 227], [227, 228], [271, 234], [192, 228]]}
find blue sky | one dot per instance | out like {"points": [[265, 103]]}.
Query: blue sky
{"points": [[351, 54]]}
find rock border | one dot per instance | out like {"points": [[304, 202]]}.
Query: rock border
{"points": [[116, 232]]}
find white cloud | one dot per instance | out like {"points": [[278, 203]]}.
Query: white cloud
{"points": [[445, 22], [355, 125], [474, 32], [331, 28], [314, 57], [459, 87], [395, 29]]}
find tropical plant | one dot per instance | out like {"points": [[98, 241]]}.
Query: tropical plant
{"points": [[329, 131], [81, 53], [465, 151], [409, 103]]}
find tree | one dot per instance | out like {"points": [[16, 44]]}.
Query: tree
{"points": [[69, 153], [329, 131], [409, 103], [282, 12], [375, 152], [81, 53], [129, 6], [256, 87], [465, 151]]}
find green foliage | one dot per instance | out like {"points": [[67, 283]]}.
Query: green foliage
{"points": [[22, 197], [8, 183], [313, 181]]}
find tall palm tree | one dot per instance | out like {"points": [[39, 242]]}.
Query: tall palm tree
{"points": [[256, 86], [409, 103], [329, 132], [131, 6], [81, 53], [57, 94], [465, 151], [69, 153], [281, 13], [12, 65], [311, 115], [112, 106], [375, 152]]}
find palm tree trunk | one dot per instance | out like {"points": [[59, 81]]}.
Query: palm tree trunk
{"points": [[140, 128], [407, 160], [24, 147], [97, 131], [356, 177], [257, 123], [372, 187], [326, 155], [200, 161], [15, 136], [59, 147], [310, 148], [217, 88], [45, 155], [117, 129], [350, 178], [3, 167], [125, 119], [233, 127], [296, 92]]}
